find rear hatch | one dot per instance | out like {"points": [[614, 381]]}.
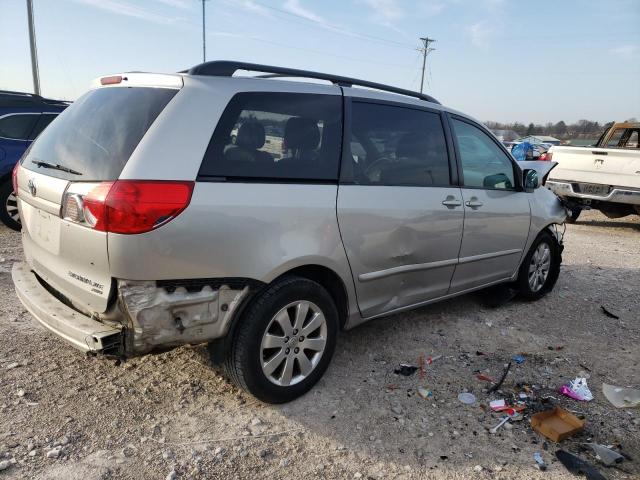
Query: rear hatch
{"points": [[87, 146], [603, 166]]}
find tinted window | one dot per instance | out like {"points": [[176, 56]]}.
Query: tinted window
{"points": [[277, 136], [17, 126], [484, 164], [97, 134], [43, 122], [397, 146]]}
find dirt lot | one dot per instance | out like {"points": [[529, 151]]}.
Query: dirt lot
{"points": [[171, 415]]}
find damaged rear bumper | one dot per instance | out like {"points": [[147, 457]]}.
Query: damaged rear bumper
{"points": [[147, 316], [81, 331]]}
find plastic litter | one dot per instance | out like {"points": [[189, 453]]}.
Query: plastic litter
{"points": [[467, 398], [425, 393], [498, 405], [495, 429], [485, 378], [406, 370], [577, 466], [519, 359], [621, 397], [539, 462], [556, 424], [577, 389], [606, 455]]}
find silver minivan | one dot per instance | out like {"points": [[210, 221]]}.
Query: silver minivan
{"points": [[263, 216]]}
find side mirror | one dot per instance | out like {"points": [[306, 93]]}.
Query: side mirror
{"points": [[530, 180]]}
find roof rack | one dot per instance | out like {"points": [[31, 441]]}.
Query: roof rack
{"points": [[225, 68]]}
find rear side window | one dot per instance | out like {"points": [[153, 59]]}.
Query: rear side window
{"points": [[97, 134], [17, 126], [397, 146], [484, 164], [289, 136]]}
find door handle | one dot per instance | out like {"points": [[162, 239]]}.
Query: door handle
{"points": [[451, 202], [474, 203]]}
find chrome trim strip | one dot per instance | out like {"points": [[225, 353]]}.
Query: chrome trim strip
{"points": [[366, 277], [486, 256]]}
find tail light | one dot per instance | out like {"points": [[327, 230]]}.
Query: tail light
{"points": [[14, 177], [126, 206], [546, 156]]}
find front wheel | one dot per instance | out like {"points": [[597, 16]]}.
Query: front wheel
{"points": [[540, 269], [284, 341], [9, 207]]}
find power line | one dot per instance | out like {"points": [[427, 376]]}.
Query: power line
{"points": [[334, 28], [425, 51]]}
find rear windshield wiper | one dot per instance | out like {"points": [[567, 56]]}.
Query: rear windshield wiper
{"points": [[57, 166]]}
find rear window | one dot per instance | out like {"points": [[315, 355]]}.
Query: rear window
{"points": [[279, 136], [97, 134]]}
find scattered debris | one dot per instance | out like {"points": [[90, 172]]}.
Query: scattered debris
{"points": [[406, 369], [495, 429], [485, 378], [557, 424], [424, 393], [606, 455], [577, 466], [621, 397], [498, 405], [519, 359], [609, 313], [467, 398], [501, 381], [540, 465], [577, 389], [4, 464]]}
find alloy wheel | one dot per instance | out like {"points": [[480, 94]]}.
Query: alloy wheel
{"points": [[539, 266], [293, 343], [11, 206]]}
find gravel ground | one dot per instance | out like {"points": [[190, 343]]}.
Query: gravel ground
{"points": [[65, 416]]}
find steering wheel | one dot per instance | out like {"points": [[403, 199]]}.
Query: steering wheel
{"points": [[371, 169]]}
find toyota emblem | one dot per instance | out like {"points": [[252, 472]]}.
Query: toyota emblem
{"points": [[32, 187]]}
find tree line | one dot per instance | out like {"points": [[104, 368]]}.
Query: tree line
{"points": [[561, 130]]}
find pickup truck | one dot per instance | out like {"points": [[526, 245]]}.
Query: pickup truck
{"points": [[605, 176]]}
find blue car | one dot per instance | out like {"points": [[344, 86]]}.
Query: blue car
{"points": [[22, 117]]}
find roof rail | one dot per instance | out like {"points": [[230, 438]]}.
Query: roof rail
{"points": [[225, 68]]}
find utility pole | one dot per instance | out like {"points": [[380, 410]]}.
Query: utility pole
{"points": [[425, 51], [204, 39], [34, 52]]}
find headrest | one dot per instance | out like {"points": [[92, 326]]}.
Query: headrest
{"points": [[412, 145], [250, 135], [301, 134]]}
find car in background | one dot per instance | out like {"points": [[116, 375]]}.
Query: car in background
{"points": [[604, 177], [22, 117], [525, 151]]}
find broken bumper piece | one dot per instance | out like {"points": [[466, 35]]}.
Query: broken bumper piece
{"points": [[79, 330]]}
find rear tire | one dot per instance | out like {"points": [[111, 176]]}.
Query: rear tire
{"points": [[540, 268], [284, 341], [9, 207]]}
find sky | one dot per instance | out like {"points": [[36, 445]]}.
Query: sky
{"points": [[502, 60]]}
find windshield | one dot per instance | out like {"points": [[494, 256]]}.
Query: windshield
{"points": [[93, 138]]}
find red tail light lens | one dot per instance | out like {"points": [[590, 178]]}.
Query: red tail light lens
{"points": [[546, 156], [14, 177], [134, 206]]}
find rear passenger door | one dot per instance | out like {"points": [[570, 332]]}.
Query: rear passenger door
{"points": [[497, 212], [399, 211]]}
